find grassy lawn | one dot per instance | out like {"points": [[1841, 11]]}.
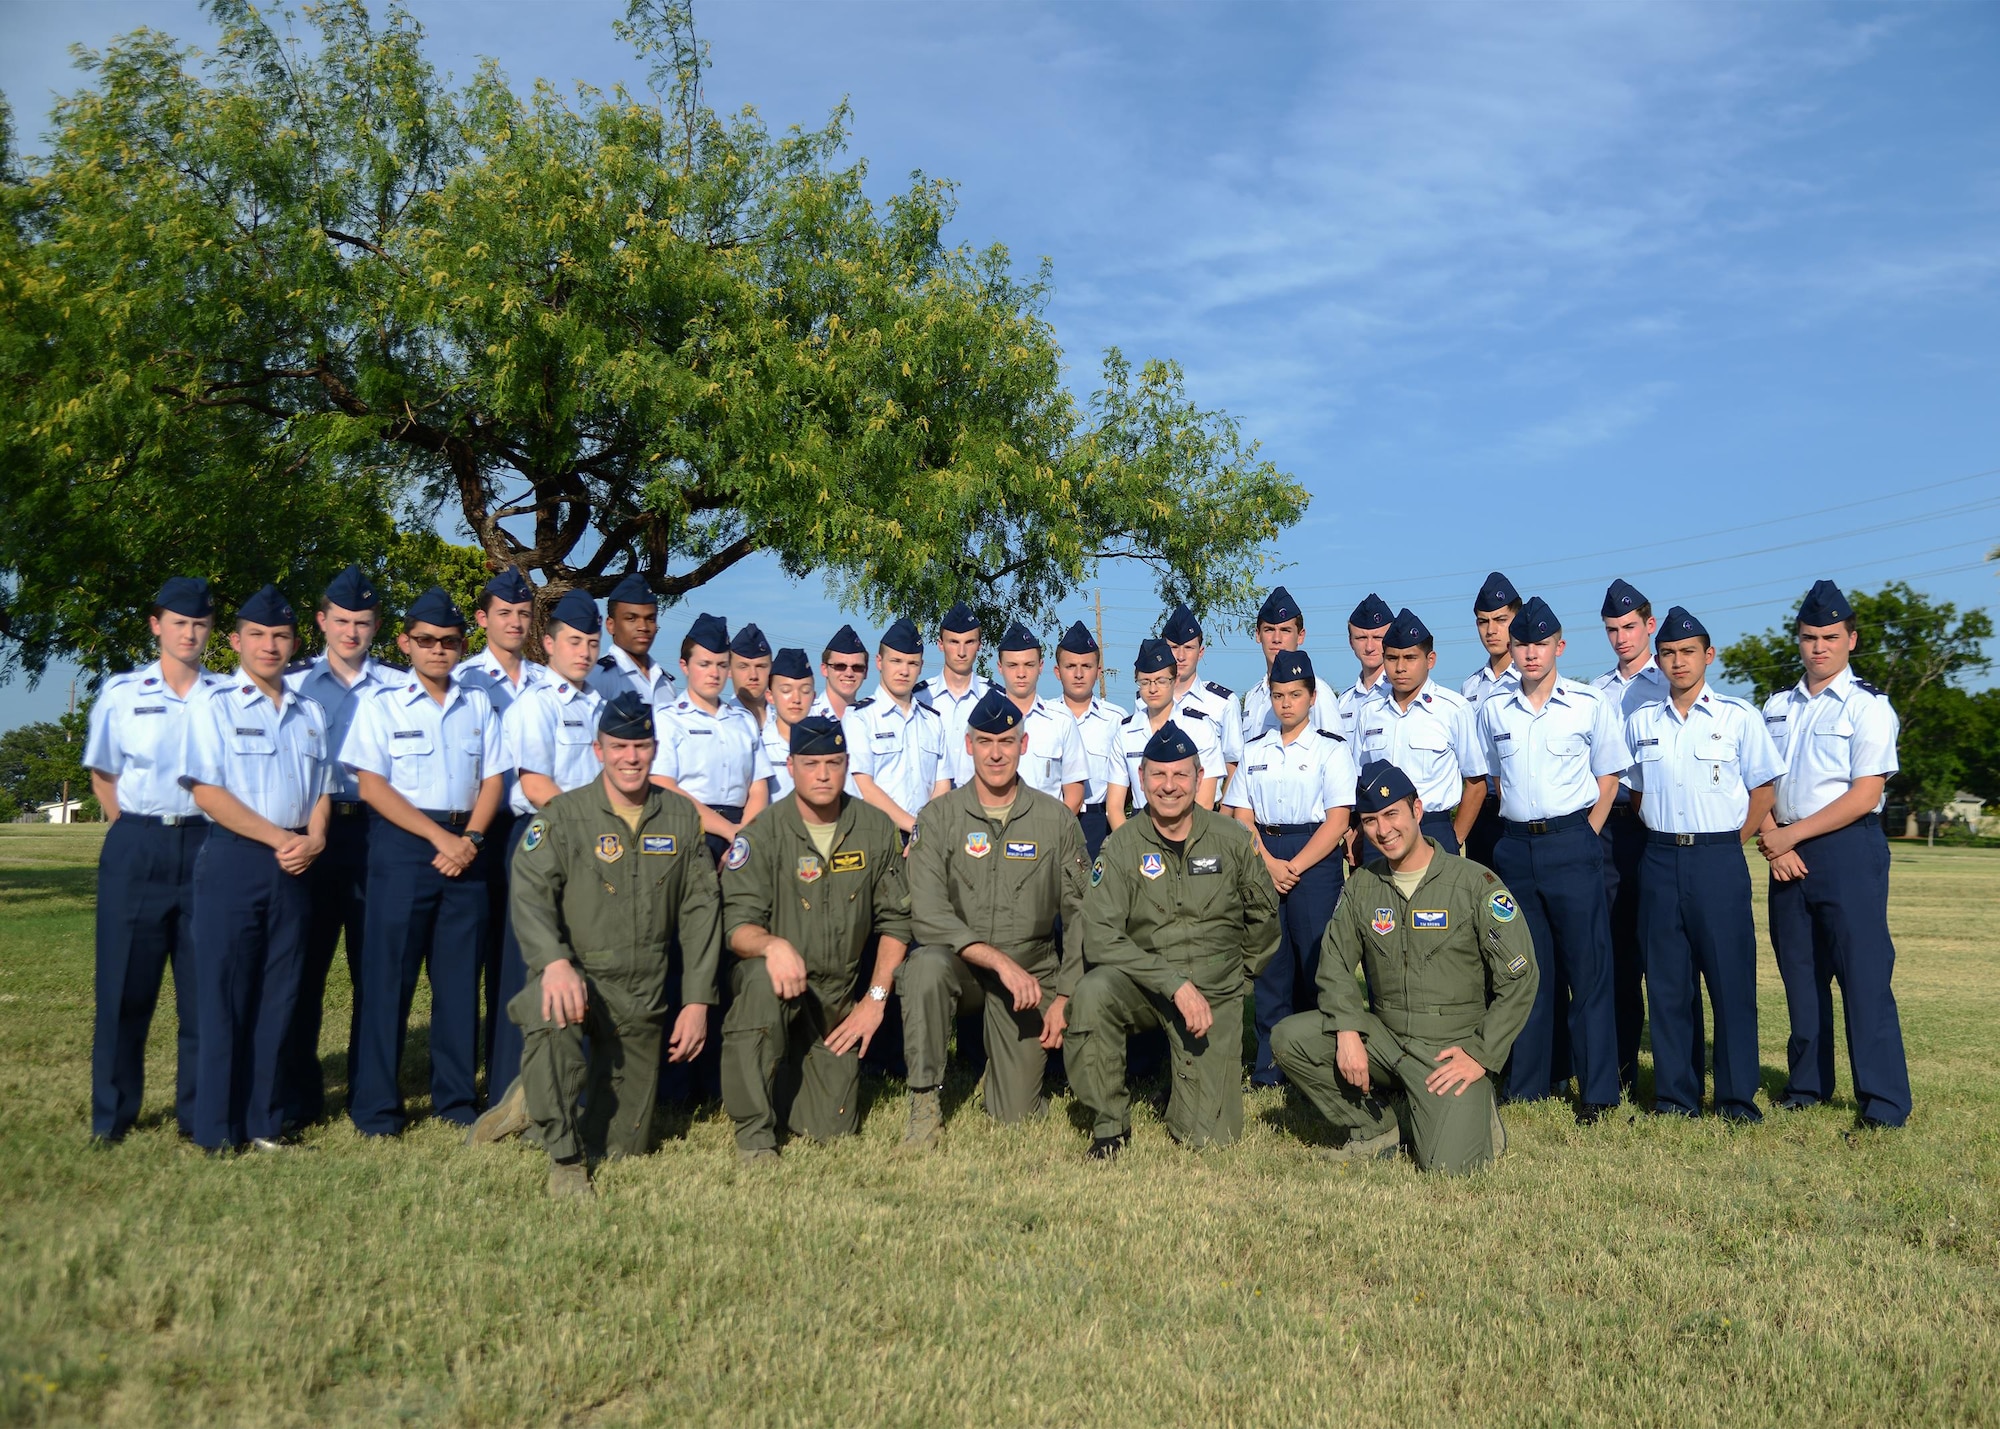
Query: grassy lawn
{"points": [[1634, 1272]]}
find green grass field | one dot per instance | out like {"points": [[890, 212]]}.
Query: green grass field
{"points": [[1682, 1274]]}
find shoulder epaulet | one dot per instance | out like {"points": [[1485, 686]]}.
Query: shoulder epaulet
{"points": [[123, 677], [607, 663], [862, 704], [1329, 734], [298, 667], [921, 687], [1127, 720], [1861, 684], [930, 710], [1195, 713], [1222, 690]]}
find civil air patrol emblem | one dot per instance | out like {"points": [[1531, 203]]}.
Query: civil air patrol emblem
{"points": [[1020, 848], [658, 843], [809, 869], [1502, 908], [1384, 921], [1436, 919], [850, 860], [738, 855], [610, 848], [1151, 865], [537, 831], [978, 844]]}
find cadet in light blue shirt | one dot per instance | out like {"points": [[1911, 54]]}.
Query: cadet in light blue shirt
{"points": [[145, 869], [1426, 731], [958, 686], [1367, 623], [429, 757], [1493, 611], [895, 745], [1052, 760], [792, 695], [1704, 777], [710, 749], [633, 623], [258, 764], [1099, 728], [1217, 702], [1154, 672], [1559, 749], [1281, 626]]}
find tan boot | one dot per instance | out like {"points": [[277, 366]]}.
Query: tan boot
{"points": [[926, 1120], [1499, 1130], [570, 1180], [506, 1117], [1382, 1146]]}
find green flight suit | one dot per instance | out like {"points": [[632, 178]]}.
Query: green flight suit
{"points": [[588, 888], [975, 881], [1452, 965], [1155, 919], [775, 1061]]}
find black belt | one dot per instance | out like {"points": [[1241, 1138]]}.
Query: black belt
{"points": [[1654, 836], [1866, 821], [449, 818], [1280, 831], [1096, 808], [348, 808], [1520, 828], [221, 832], [167, 821], [1622, 809], [731, 812]]}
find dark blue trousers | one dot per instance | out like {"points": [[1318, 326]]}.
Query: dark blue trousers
{"points": [[1833, 925], [145, 921], [1695, 927], [1096, 827], [503, 1054], [337, 885], [1435, 825], [1558, 880], [492, 977], [419, 921], [250, 933], [1485, 832], [1290, 981], [1624, 840]]}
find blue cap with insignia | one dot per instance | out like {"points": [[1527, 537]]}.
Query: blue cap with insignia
{"points": [[1181, 627], [710, 633], [1169, 745], [625, 716], [1019, 637], [1372, 614], [846, 642], [186, 595], [959, 620], [902, 638], [1496, 593], [1279, 607], [578, 611], [749, 642], [267, 607], [1381, 784], [433, 607], [1533, 623], [632, 590], [1679, 625], [995, 713], [818, 734], [351, 590], [1621, 597], [1824, 605], [1078, 640], [790, 663], [1154, 656], [510, 586], [1291, 666], [1405, 632]]}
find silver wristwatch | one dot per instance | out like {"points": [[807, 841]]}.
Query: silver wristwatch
{"points": [[877, 993]]}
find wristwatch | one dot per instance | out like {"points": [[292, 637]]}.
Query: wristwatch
{"points": [[476, 839], [877, 993]]}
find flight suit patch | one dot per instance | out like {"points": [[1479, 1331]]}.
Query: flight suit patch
{"points": [[809, 868], [978, 844], [1204, 865], [1502, 907], [1096, 873], [610, 848], [738, 855], [1384, 921], [1152, 865], [850, 860], [657, 843], [1020, 848], [537, 831], [1519, 965], [1439, 918]]}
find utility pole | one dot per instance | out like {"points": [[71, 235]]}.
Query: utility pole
{"points": [[1103, 671], [66, 739]]}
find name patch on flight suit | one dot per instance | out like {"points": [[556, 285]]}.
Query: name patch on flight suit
{"points": [[809, 868], [1152, 865], [610, 848], [1430, 918], [1204, 865], [657, 843], [1020, 848], [850, 860]]}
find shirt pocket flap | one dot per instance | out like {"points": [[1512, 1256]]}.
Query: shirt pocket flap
{"points": [[573, 731], [1566, 746], [1429, 737], [1719, 750], [409, 743], [246, 739]]}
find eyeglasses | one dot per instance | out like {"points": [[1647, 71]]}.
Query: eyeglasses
{"points": [[856, 669], [432, 642]]}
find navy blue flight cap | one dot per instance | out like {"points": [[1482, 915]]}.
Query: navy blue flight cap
{"points": [[790, 663], [1381, 785], [846, 642], [1405, 632], [1019, 637], [186, 595], [1078, 640], [959, 620], [1497, 593], [749, 642], [433, 607], [1154, 656], [1621, 597], [1372, 614], [710, 633], [1679, 625], [633, 590], [1825, 605], [1279, 607], [902, 637], [578, 611], [625, 716], [1169, 745], [1290, 666], [268, 607], [995, 713], [818, 734], [351, 590], [510, 585], [1181, 627], [1533, 623]]}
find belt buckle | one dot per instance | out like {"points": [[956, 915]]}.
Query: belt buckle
{"points": [[1684, 840], [1538, 826]]}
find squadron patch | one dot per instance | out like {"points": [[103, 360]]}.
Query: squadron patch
{"points": [[610, 848], [1384, 921], [1097, 873], [1152, 865], [738, 855], [1502, 907], [978, 844], [657, 843], [809, 868], [850, 860], [1438, 918], [1020, 848], [537, 831]]}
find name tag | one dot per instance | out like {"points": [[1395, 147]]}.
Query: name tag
{"points": [[1259, 768], [1366, 732], [1645, 743], [1020, 849], [698, 733], [252, 729], [657, 843], [1768, 719], [1204, 865], [885, 734], [572, 724], [1437, 918], [149, 709], [850, 860], [1502, 738], [407, 734]]}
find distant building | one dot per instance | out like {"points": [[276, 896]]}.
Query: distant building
{"points": [[1964, 809], [61, 811]]}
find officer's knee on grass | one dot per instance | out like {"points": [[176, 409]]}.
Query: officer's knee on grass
{"points": [[1294, 1041], [923, 971]]}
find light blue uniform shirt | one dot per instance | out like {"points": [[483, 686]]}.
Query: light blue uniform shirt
{"points": [[1433, 742], [138, 737], [1138, 729], [1258, 719], [1218, 703], [1293, 783], [551, 730], [1482, 684], [277, 762], [1845, 732], [777, 749], [482, 671], [1640, 689], [1347, 710], [1549, 760], [434, 755], [903, 752], [715, 758], [316, 680], [1054, 756], [1100, 730], [618, 672], [1696, 774], [955, 709]]}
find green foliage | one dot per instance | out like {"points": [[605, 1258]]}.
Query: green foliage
{"points": [[1914, 651], [36, 760], [611, 332]]}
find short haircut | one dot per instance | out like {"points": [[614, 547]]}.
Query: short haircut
{"points": [[1797, 625], [1298, 620], [488, 597], [826, 657], [1513, 605], [1311, 682], [1428, 645], [291, 625], [688, 647]]}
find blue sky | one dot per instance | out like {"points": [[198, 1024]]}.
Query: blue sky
{"points": [[1700, 295]]}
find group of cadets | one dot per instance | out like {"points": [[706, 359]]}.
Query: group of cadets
{"points": [[584, 858]]}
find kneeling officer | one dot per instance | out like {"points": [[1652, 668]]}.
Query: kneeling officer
{"points": [[608, 875], [1451, 979]]}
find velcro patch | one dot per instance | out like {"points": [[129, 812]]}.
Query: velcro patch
{"points": [[739, 853], [1020, 848], [1097, 873], [1204, 865], [1439, 918], [537, 831], [610, 848], [1502, 908], [850, 860], [1519, 965], [658, 843]]}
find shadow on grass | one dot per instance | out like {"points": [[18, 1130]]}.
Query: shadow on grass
{"points": [[21, 888]]}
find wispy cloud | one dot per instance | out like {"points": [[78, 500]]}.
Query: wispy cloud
{"points": [[1587, 425]]}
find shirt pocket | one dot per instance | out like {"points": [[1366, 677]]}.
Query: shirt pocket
{"points": [[1646, 751], [1432, 738], [255, 743], [571, 733], [1718, 751], [410, 744], [1566, 746], [1834, 747]]}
